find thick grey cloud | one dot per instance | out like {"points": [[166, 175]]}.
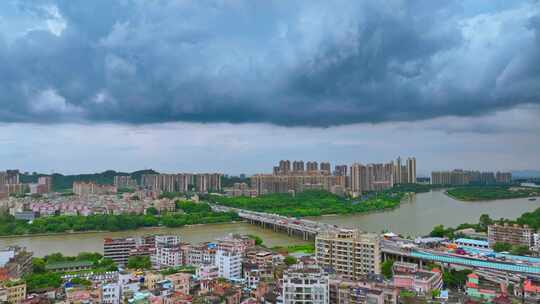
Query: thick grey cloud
{"points": [[306, 63]]}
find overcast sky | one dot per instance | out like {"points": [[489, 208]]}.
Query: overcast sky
{"points": [[235, 85]]}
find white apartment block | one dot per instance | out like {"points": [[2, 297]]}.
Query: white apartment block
{"points": [[167, 257], [229, 264], [305, 284], [110, 293], [167, 251], [167, 240]]}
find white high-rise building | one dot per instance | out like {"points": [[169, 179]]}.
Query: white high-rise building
{"points": [[303, 284], [357, 176], [411, 170], [397, 171], [229, 264]]}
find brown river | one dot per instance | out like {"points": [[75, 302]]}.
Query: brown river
{"points": [[415, 216]]}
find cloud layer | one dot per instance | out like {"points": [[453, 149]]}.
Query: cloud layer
{"points": [[290, 63], [485, 143]]}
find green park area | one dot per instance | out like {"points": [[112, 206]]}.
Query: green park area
{"points": [[313, 203], [486, 193], [187, 213]]}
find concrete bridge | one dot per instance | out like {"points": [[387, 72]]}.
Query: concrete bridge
{"points": [[306, 229]]}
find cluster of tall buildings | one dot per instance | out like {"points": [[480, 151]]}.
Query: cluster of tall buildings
{"points": [[460, 177], [10, 183], [356, 179], [124, 181], [182, 182], [377, 177]]}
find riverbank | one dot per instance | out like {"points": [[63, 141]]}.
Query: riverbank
{"points": [[491, 193], [9, 226], [70, 233], [73, 244]]}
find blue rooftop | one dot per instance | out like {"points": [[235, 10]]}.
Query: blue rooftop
{"points": [[476, 263], [472, 241]]}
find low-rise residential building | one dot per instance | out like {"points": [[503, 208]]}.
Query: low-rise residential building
{"points": [[13, 291], [303, 283], [207, 272], [480, 290], [512, 234], [110, 293], [235, 242], [202, 253], [151, 279], [83, 296], [118, 249], [370, 289], [180, 281], [411, 277], [531, 288], [15, 262], [68, 266]]}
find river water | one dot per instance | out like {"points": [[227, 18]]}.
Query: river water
{"points": [[415, 216], [419, 214]]}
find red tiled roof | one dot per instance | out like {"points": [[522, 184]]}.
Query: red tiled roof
{"points": [[472, 276], [530, 287]]}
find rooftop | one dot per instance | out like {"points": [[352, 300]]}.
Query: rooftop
{"points": [[472, 241], [68, 264]]}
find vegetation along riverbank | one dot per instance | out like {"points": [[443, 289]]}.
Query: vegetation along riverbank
{"points": [[486, 193]]}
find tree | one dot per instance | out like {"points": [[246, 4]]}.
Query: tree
{"points": [[438, 231], [290, 260], [258, 240], [386, 268], [42, 281], [38, 265], [520, 250], [484, 222], [407, 296], [500, 247], [455, 278], [139, 262], [151, 211]]}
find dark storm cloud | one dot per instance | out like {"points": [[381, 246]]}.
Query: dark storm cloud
{"points": [[313, 63]]}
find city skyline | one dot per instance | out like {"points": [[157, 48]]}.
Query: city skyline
{"points": [[240, 84]]}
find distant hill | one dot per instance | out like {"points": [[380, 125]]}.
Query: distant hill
{"points": [[62, 182]]}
